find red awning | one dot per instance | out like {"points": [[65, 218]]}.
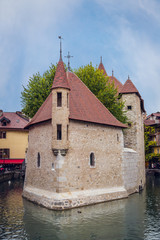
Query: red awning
{"points": [[11, 161]]}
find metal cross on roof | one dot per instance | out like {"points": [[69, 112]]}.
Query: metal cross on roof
{"points": [[60, 47], [69, 56]]}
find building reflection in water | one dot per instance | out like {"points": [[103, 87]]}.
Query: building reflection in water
{"points": [[121, 219]]}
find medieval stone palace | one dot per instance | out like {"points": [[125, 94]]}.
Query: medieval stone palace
{"points": [[79, 153]]}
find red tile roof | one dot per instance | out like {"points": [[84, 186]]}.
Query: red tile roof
{"points": [[44, 113], [129, 87], [16, 121], [101, 67], [117, 83], [149, 122], [83, 106], [60, 79], [157, 114]]}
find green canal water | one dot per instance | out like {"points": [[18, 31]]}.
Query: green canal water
{"points": [[137, 217]]}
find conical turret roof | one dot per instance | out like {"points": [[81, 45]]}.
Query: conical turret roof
{"points": [[60, 79], [129, 87], [101, 67]]}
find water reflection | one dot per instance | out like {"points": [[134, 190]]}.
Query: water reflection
{"points": [[152, 217], [11, 211], [114, 220], [135, 218]]}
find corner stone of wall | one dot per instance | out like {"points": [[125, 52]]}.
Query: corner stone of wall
{"points": [[61, 201]]}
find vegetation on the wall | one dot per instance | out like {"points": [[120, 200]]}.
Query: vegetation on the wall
{"points": [[149, 144]]}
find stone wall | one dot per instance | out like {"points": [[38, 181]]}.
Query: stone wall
{"points": [[73, 182], [40, 141], [106, 143], [134, 135], [130, 170]]}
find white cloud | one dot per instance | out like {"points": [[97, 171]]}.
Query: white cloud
{"points": [[138, 49], [29, 29]]}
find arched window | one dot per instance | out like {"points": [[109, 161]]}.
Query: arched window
{"points": [[38, 160], [92, 160]]}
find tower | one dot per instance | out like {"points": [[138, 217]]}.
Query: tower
{"points": [[134, 134], [60, 110]]}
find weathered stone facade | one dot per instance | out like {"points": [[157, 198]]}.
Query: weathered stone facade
{"points": [[72, 176], [134, 134], [76, 153]]}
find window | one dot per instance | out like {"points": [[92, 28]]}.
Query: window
{"points": [[4, 153], [4, 123], [53, 166], [38, 160], [2, 134], [129, 107], [158, 150], [92, 160], [59, 99], [59, 132], [129, 124]]}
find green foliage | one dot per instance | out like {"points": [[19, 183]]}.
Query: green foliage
{"points": [[37, 91], [102, 89], [149, 155]]}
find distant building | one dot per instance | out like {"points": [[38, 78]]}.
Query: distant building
{"points": [[153, 120], [13, 139], [78, 154]]}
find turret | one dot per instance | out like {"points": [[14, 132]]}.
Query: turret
{"points": [[134, 110], [60, 110], [134, 134]]}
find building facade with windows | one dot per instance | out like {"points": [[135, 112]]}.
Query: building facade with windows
{"points": [[153, 120], [13, 138], [76, 154]]}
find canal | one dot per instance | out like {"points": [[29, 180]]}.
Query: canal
{"points": [[135, 218]]}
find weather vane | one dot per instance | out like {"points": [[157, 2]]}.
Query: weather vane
{"points": [[69, 56]]}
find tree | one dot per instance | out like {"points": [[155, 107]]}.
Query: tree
{"points": [[37, 91], [148, 132], [105, 91]]}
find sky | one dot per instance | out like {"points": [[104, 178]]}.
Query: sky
{"points": [[126, 33]]}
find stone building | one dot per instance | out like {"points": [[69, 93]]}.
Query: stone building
{"points": [[153, 120], [76, 153]]}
